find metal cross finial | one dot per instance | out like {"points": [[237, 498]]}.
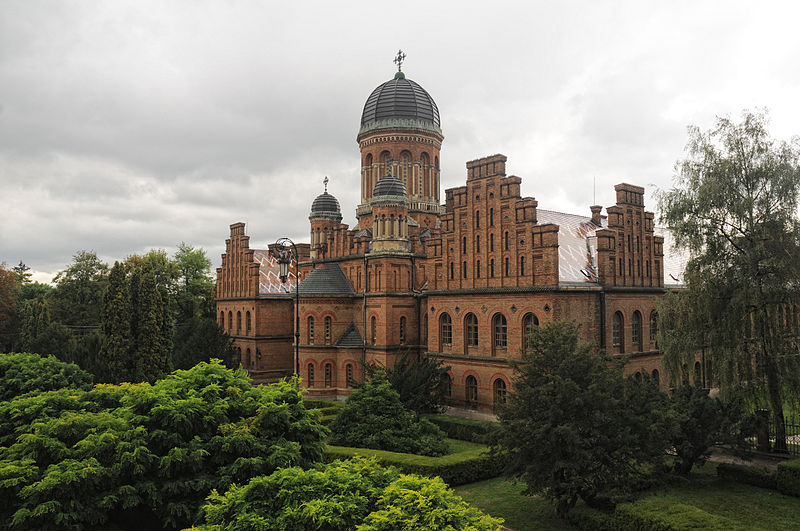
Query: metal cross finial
{"points": [[398, 60], [325, 182]]}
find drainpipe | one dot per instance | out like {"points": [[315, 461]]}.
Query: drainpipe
{"points": [[364, 339], [602, 318]]}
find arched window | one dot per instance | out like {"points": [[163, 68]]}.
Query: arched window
{"points": [[500, 326], [310, 329], [328, 375], [446, 329], [464, 245], [348, 371], [653, 326], [508, 266], [374, 329], [311, 375], [238, 322], [425, 158], [506, 237], [655, 377], [405, 157], [491, 242], [448, 386], [471, 330], [328, 330], [698, 377], [385, 157], [478, 269], [478, 243], [464, 272], [522, 266], [477, 219], [222, 320], [617, 332], [238, 359], [499, 391], [368, 160], [636, 331], [250, 361], [402, 330], [248, 322], [471, 391], [491, 217], [529, 322], [491, 268]]}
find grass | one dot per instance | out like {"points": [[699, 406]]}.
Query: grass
{"points": [[500, 497], [457, 446]]}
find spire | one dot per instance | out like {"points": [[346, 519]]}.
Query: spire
{"points": [[325, 182]]}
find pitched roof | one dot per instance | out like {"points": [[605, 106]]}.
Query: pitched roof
{"points": [[350, 338], [326, 279]]}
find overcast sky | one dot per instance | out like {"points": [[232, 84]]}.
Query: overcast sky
{"points": [[126, 126]]}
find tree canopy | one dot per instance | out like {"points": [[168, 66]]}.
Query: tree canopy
{"points": [[734, 208], [21, 373]]}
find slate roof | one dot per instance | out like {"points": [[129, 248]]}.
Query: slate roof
{"points": [[324, 280], [400, 98], [350, 338]]}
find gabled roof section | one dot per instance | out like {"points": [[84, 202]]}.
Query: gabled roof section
{"points": [[326, 279], [268, 268], [350, 338], [577, 247], [675, 259]]}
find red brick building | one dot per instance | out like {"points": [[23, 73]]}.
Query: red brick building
{"points": [[464, 280]]}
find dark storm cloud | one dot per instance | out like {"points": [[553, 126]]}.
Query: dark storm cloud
{"points": [[126, 126]]}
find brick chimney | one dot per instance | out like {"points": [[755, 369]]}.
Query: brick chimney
{"points": [[597, 219]]}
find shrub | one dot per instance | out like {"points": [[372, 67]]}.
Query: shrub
{"points": [[788, 477], [650, 514], [374, 417], [455, 469], [750, 475], [24, 372], [341, 496], [146, 453], [462, 429]]}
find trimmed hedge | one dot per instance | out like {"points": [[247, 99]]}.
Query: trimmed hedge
{"points": [[588, 519], [651, 514], [788, 477], [322, 404], [462, 429], [750, 475], [454, 469]]}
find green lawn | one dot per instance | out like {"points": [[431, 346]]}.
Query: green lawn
{"points": [[457, 446], [500, 497]]}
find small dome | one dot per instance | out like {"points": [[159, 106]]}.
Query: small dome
{"points": [[325, 203], [389, 185], [400, 98]]}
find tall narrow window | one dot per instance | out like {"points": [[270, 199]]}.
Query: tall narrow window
{"points": [[448, 386], [499, 388], [491, 217], [464, 270], [348, 372], [478, 243], [653, 326], [655, 377], [471, 330], [508, 266], [522, 266], [222, 320], [402, 330], [328, 330], [446, 329], [617, 332], [500, 331], [464, 245], [478, 269], [452, 271], [491, 242], [636, 331], [506, 242], [248, 323], [529, 322], [374, 329], [471, 391], [328, 375], [238, 322], [477, 219], [230, 321], [491, 268], [311, 375], [310, 329]]}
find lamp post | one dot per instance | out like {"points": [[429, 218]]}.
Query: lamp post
{"points": [[284, 259]]}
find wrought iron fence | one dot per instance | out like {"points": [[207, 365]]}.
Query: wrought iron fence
{"points": [[765, 439]]}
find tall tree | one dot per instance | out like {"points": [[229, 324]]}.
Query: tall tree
{"points": [[77, 298], [117, 327], [23, 272], [195, 287], [734, 208], [9, 311], [151, 347]]}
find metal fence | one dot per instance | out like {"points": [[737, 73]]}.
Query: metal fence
{"points": [[764, 440]]}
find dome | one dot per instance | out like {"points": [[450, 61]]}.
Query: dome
{"points": [[325, 203], [400, 98], [389, 185]]}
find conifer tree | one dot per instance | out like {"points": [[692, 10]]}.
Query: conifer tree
{"points": [[117, 352], [151, 351], [36, 319]]}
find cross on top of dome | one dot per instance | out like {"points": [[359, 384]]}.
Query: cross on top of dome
{"points": [[398, 60]]}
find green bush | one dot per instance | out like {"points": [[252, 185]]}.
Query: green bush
{"points": [[750, 475], [650, 514], [128, 453], [462, 429], [322, 404], [343, 495], [24, 372], [588, 519], [455, 469], [788, 477], [374, 417]]}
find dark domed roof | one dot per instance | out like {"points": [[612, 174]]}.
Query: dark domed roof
{"points": [[325, 202], [400, 98], [389, 185]]}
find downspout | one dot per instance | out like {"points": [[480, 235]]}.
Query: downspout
{"points": [[602, 317], [419, 313]]}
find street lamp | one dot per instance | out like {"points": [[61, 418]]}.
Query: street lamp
{"points": [[284, 259]]}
